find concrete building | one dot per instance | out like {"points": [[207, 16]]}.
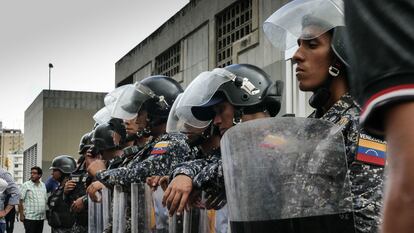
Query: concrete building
{"points": [[16, 168], [11, 141], [214, 33], [54, 124]]}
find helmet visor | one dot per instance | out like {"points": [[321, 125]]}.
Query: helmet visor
{"points": [[112, 96], [104, 114], [304, 19], [200, 91], [130, 101]]}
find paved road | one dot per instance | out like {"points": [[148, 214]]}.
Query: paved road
{"points": [[19, 228]]}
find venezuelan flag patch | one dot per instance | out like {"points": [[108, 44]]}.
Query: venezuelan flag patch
{"points": [[160, 148], [371, 150]]}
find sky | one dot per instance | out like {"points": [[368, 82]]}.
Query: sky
{"points": [[83, 39]]}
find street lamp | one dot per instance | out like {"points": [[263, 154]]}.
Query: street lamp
{"points": [[50, 71]]}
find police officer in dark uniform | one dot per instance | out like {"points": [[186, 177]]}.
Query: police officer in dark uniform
{"points": [[60, 217], [322, 65], [153, 96], [149, 100], [239, 92], [75, 188], [108, 139]]}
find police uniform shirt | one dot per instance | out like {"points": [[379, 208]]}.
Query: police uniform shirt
{"points": [[365, 167], [158, 157]]}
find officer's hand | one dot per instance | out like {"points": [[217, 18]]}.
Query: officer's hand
{"points": [[77, 205], [96, 166], [176, 195], [69, 186], [21, 217], [94, 189], [153, 182], [164, 182]]}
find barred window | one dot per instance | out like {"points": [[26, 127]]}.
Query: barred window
{"points": [[168, 63], [232, 24], [29, 160]]}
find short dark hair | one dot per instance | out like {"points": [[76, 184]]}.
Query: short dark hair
{"points": [[38, 169]]}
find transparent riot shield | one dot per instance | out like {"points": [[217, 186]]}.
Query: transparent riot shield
{"points": [[106, 207], [141, 208], [287, 175], [176, 224], [95, 220], [119, 210]]}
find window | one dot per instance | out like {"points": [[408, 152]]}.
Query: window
{"points": [[29, 160], [168, 63], [232, 24]]}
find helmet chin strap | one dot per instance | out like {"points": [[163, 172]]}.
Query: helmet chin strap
{"points": [[237, 116], [322, 94]]}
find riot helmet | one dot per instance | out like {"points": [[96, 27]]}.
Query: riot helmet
{"points": [[307, 20], [154, 94], [64, 163], [196, 136], [103, 137], [85, 142], [248, 88]]}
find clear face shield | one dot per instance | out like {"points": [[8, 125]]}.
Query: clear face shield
{"points": [[202, 89], [303, 19], [104, 114], [131, 100], [179, 125]]}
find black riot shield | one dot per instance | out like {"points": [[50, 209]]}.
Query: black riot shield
{"points": [[287, 175]]}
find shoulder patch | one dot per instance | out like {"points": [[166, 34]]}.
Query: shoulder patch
{"points": [[160, 148], [371, 150]]}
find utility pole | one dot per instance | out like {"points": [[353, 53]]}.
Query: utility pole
{"points": [[50, 73]]}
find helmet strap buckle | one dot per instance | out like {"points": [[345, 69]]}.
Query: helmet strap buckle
{"points": [[237, 117]]}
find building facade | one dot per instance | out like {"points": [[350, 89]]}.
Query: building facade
{"points": [[11, 141], [54, 124], [16, 167], [206, 34]]}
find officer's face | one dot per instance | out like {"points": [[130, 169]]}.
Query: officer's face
{"points": [[131, 127], [141, 120], [224, 116], [56, 174], [313, 59]]}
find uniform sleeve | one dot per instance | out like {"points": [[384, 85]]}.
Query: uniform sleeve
{"points": [[211, 176], [159, 163]]}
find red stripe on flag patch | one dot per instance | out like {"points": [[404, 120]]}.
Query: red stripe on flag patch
{"points": [[371, 159], [157, 152]]}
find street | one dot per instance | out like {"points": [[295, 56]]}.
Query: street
{"points": [[19, 228]]}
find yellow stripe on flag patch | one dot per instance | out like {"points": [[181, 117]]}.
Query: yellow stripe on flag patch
{"points": [[161, 144], [373, 145]]}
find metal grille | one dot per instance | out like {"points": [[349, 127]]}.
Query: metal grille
{"points": [[29, 161], [232, 24], [168, 63]]}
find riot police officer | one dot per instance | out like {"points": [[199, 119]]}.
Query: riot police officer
{"points": [[237, 93], [322, 68], [75, 188], [150, 101], [60, 217]]}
